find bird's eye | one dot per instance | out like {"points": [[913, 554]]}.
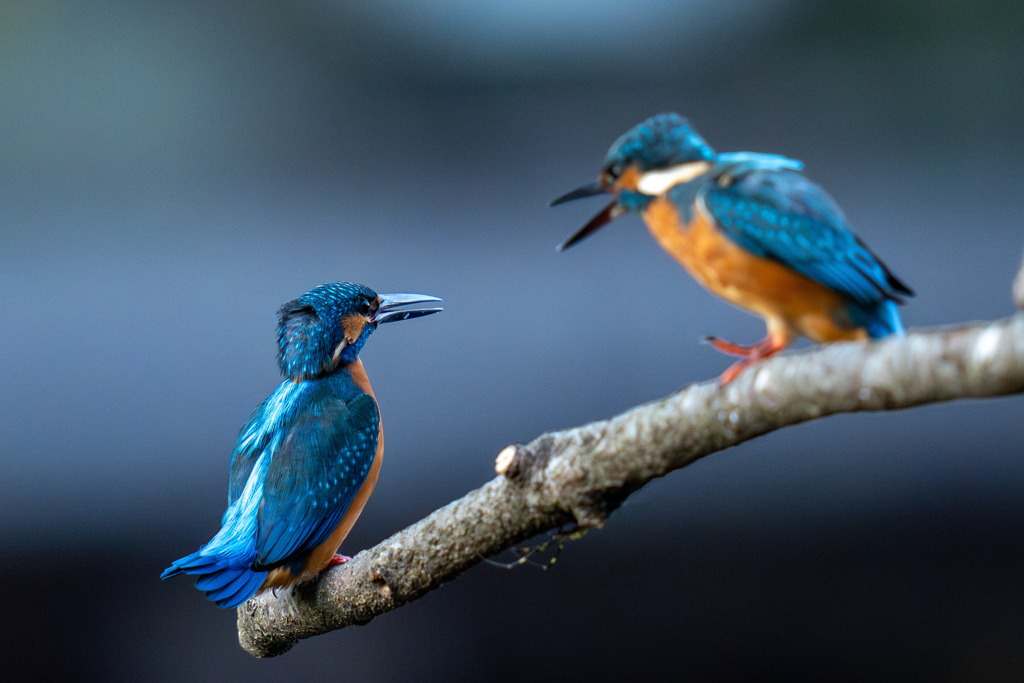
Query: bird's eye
{"points": [[364, 307]]}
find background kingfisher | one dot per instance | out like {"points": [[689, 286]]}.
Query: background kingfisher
{"points": [[752, 230], [308, 457]]}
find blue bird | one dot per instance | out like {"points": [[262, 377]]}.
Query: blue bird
{"points": [[751, 229], [308, 457]]}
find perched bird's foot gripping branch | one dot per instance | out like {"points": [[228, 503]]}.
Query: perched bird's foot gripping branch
{"points": [[750, 355]]}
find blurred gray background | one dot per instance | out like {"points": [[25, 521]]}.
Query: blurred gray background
{"points": [[172, 172]]}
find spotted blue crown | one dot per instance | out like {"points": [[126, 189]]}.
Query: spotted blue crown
{"points": [[659, 142]]}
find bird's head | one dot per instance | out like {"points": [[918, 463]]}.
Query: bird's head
{"points": [[651, 158], [325, 328]]}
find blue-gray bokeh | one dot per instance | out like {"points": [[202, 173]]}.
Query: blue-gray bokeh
{"points": [[172, 172]]}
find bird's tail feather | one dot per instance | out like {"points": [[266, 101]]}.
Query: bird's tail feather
{"points": [[221, 578], [880, 321]]}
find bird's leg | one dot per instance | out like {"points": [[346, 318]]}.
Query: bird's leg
{"points": [[749, 355], [338, 559], [731, 349]]}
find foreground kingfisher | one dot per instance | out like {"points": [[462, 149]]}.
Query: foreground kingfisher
{"points": [[752, 230], [307, 459]]}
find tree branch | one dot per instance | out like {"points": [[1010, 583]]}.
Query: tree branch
{"points": [[581, 475]]}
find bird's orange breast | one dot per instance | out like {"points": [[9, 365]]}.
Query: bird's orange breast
{"points": [[790, 303]]}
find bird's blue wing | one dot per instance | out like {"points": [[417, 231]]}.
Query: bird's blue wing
{"points": [[261, 430], [317, 469], [245, 455], [781, 215], [731, 165]]}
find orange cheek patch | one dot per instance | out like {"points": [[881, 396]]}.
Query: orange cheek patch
{"points": [[629, 179], [352, 326]]}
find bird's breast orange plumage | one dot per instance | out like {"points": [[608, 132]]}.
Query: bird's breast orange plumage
{"points": [[790, 303]]}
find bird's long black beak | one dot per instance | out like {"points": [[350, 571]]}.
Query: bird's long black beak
{"points": [[588, 190], [389, 303], [607, 215]]}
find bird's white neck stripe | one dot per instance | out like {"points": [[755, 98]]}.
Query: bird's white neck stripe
{"points": [[654, 183]]}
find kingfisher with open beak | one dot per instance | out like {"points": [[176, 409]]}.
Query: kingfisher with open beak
{"points": [[751, 229], [307, 459]]}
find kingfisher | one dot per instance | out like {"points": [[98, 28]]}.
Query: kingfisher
{"points": [[751, 229], [307, 459]]}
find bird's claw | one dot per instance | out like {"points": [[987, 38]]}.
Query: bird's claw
{"points": [[731, 349], [748, 354], [338, 559]]}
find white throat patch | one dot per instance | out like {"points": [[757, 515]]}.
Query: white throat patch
{"points": [[336, 356], [654, 183]]}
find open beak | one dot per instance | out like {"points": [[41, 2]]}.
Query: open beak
{"points": [[390, 303], [588, 190], [607, 215]]}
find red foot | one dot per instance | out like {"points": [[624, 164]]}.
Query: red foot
{"points": [[731, 349], [338, 559], [749, 354]]}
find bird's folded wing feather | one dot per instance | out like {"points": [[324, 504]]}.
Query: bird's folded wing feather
{"points": [[316, 471], [263, 430], [781, 215]]}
